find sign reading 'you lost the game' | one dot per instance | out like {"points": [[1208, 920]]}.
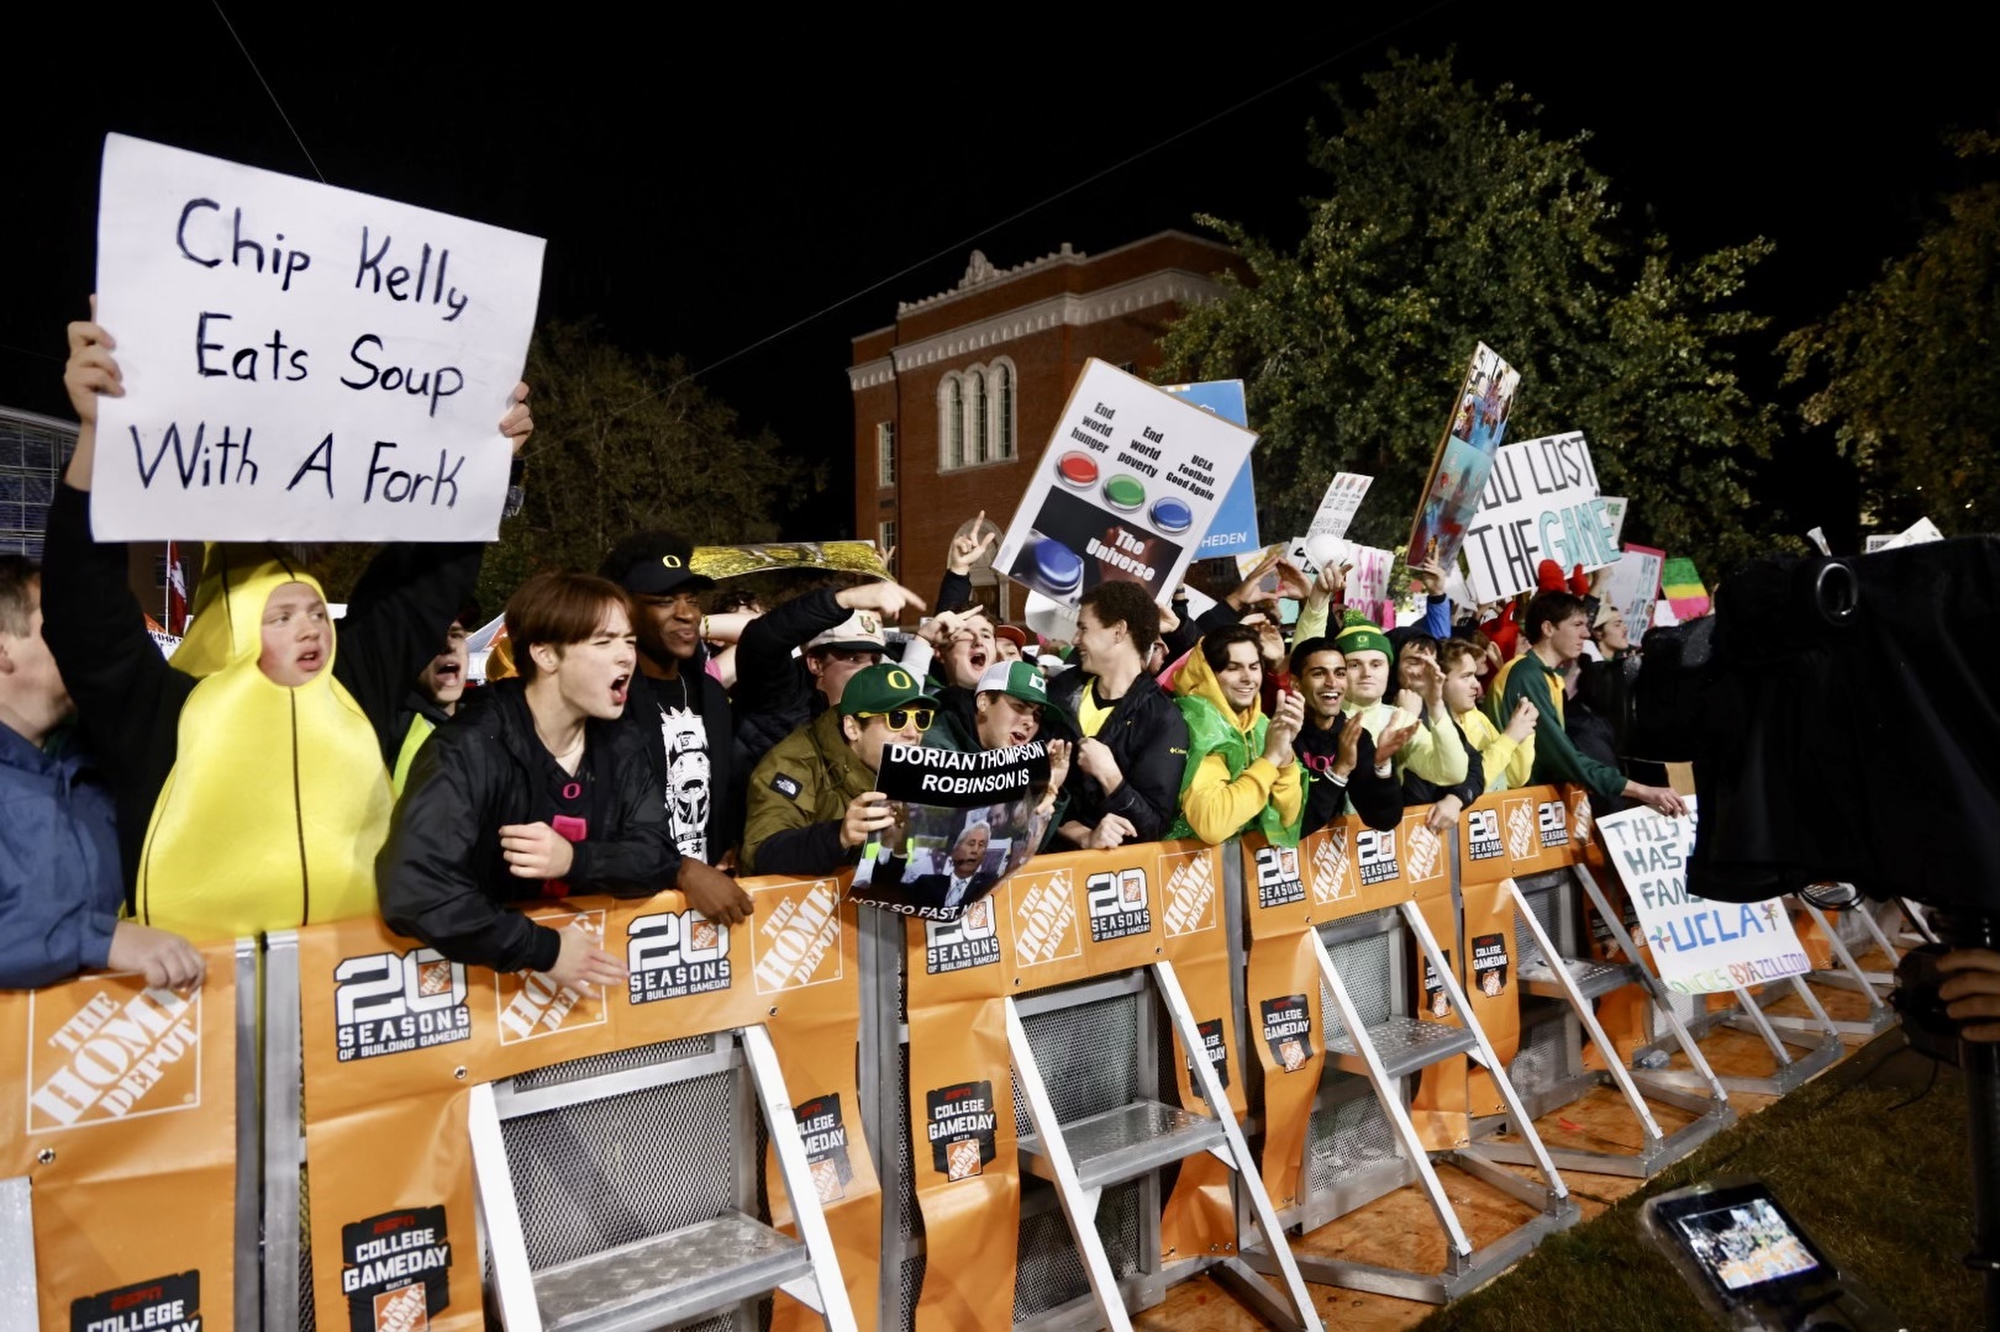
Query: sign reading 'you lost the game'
{"points": [[1540, 503], [300, 361]]}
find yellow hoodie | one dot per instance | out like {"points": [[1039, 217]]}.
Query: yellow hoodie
{"points": [[1229, 785], [278, 799]]}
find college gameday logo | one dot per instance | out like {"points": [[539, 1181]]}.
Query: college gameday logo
{"points": [[531, 1004], [392, 1003], [798, 942], [1278, 882], [1375, 855], [1519, 817], [960, 1126], [673, 954], [1288, 1031], [1423, 852], [823, 1130], [1118, 904], [162, 1304], [1044, 908], [957, 945], [1489, 964], [1553, 821], [100, 1052], [1190, 907], [1437, 999], [1216, 1047], [396, 1270], [1330, 870]]}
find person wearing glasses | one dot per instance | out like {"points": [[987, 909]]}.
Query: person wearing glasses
{"points": [[812, 800]]}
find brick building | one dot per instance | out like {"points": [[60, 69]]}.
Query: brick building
{"points": [[954, 402]]}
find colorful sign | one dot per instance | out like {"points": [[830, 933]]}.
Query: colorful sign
{"points": [[1540, 502], [1131, 479], [300, 362], [1683, 589], [1234, 527], [1458, 471], [1700, 946]]}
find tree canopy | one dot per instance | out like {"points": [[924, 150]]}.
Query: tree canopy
{"points": [[1907, 372], [1452, 218]]}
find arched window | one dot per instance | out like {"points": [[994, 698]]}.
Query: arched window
{"points": [[1003, 392], [951, 423], [982, 421]]}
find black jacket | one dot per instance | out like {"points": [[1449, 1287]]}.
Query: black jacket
{"points": [[775, 692], [725, 775], [440, 874], [1417, 791], [1378, 800], [128, 699], [1148, 736]]}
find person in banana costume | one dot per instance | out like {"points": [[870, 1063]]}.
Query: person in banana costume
{"points": [[251, 785]]}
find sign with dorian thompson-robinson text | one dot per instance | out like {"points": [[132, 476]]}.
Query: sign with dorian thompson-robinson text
{"points": [[299, 361]]}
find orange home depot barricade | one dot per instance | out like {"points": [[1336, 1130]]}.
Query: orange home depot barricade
{"points": [[1052, 978], [120, 1139], [1361, 892], [604, 1147]]}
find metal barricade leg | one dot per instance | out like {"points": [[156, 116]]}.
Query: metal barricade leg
{"points": [[500, 1214], [284, 1141]]}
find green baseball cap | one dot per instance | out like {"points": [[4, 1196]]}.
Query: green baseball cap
{"points": [[880, 688], [1024, 680]]}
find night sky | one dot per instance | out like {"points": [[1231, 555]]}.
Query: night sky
{"points": [[707, 182]]}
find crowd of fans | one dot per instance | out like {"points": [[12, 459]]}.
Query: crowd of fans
{"points": [[655, 731]]}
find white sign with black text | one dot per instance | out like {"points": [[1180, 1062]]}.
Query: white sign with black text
{"points": [[299, 361], [1540, 502]]}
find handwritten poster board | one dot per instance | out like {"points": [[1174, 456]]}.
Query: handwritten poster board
{"points": [[1235, 525], [1339, 504], [1540, 502], [1700, 946], [1458, 472], [300, 362], [1131, 478]]}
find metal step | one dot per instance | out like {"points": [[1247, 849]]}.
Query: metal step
{"points": [[1116, 1145], [1405, 1044], [1593, 978], [668, 1278]]}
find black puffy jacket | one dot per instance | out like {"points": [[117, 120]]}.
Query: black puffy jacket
{"points": [[1148, 736], [440, 873]]}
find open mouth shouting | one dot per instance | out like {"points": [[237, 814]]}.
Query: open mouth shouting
{"points": [[618, 689]]}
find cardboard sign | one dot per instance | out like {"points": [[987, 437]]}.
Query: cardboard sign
{"points": [[964, 824], [1337, 507], [1458, 472], [1681, 585], [1131, 478], [1700, 946], [300, 362], [1540, 502], [1235, 525], [1635, 586]]}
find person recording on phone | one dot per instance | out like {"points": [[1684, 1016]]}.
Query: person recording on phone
{"points": [[812, 800]]}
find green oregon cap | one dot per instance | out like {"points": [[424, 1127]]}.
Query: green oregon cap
{"points": [[1362, 636], [880, 688]]}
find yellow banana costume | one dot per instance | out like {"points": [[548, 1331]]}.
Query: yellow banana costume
{"points": [[278, 798]]}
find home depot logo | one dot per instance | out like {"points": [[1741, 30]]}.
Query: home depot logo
{"points": [[532, 1004], [102, 1051], [1331, 873], [1579, 819], [1044, 917], [1520, 828], [1190, 893], [798, 942], [1423, 853]]}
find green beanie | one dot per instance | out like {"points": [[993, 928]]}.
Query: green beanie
{"points": [[1362, 636]]}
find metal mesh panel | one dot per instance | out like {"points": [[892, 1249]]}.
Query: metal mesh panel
{"points": [[308, 1312], [1365, 969], [615, 1061], [1089, 1057], [911, 1286], [1048, 1272], [608, 1172], [910, 1218], [1346, 1137], [1547, 906], [1543, 1060]]}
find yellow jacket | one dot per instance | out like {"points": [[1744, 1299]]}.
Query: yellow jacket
{"points": [[1506, 764], [1229, 785]]}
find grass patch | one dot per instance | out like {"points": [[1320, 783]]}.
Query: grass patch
{"points": [[1887, 1193]]}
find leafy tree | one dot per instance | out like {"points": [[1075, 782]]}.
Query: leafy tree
{"points": [[1450, 219], [1907, 369], [621, 444]]}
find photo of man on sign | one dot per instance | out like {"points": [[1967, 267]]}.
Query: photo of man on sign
{"points": [[962, 823]]}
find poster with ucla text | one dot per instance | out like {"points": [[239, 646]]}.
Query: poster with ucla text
{"points": [[1700, 946], [1234, 527], [1130, 481], [299, 361]]}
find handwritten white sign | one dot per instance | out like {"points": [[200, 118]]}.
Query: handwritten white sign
{"points": [[1337, 507], [1540, 502], [300, 361], [1700, 946], [1130, 480]]}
